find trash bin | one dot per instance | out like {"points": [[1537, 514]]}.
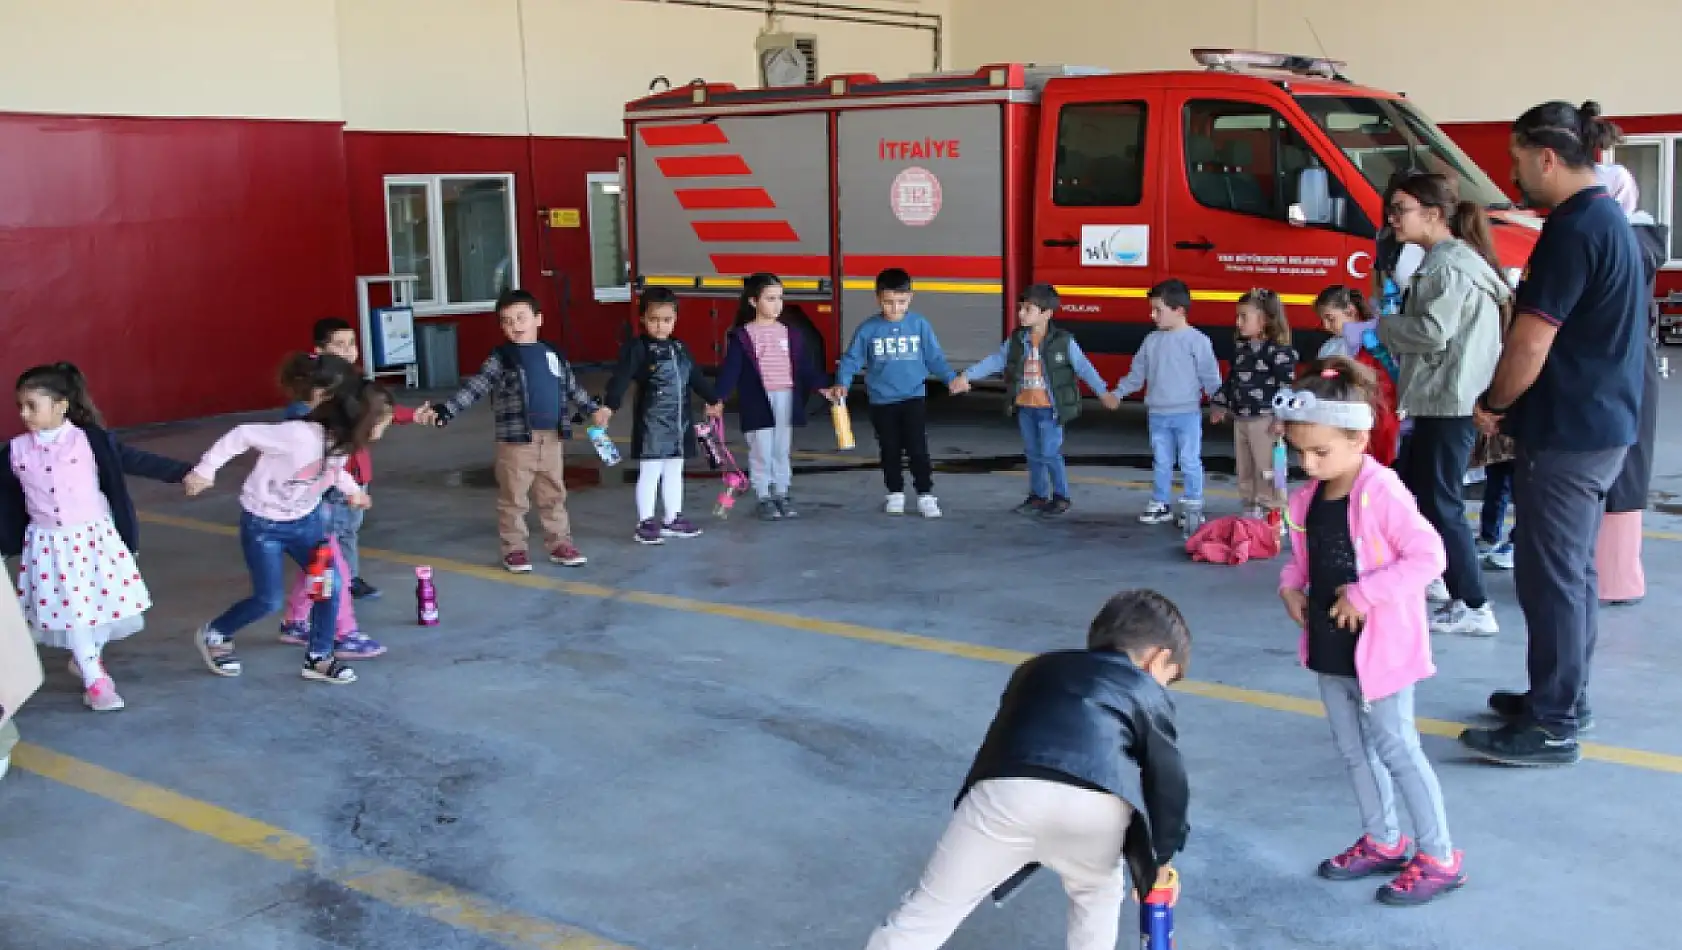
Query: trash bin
{"points": [[436, 351]]}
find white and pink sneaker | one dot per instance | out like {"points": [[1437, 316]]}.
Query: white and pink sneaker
{"points": [[102, 696]]}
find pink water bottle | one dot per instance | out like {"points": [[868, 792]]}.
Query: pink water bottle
{"points": [[426, 597]]}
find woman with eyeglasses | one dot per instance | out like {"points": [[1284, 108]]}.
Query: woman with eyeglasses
{"points": [[1447, 339]]}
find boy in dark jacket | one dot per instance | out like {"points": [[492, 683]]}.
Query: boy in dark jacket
{"points": [[532, 390], [1078, 771]]}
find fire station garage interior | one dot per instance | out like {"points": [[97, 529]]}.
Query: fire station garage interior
{"points": [[755, 737]]}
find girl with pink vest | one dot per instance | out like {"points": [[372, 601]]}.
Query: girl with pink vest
{"points": [[1361, 558]]}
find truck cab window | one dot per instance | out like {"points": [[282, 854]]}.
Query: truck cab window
{"points": [[1245, 158], [1100, 155]]}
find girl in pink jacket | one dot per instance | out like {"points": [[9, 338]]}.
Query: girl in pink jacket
{"points": [[1361, 558]]}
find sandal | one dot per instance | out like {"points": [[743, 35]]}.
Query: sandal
{"points": [[328, 670], [219, 653]]}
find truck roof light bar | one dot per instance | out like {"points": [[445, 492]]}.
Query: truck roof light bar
{"points": [[1236, 60]]}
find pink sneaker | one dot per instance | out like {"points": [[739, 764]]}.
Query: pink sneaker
{"points": [[102, 696], [1365, 858], [1424, 880]]}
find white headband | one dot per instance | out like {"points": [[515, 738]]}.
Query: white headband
{"points": [[1292, 406]]}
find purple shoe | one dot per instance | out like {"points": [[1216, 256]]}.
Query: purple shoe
{"points": [[1365, 858], [1423, 880], [357, 646], [648, 532], [297, 634], [680, 527]]}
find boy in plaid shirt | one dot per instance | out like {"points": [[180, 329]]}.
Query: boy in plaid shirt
{"points": [[532, 390]]}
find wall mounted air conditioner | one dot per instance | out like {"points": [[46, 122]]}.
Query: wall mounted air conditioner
{"points": [[787, 59]]}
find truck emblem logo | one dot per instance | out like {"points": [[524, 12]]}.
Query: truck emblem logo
{"points": [[1115, 245], [915, 196]]}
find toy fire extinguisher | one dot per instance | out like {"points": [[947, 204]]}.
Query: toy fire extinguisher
{"points": [[320, 573], [426, 597], [843, 422], [1156, 914]]}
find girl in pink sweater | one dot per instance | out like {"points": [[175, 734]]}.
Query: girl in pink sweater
{"points": [[298, 461], [1361, 558]]}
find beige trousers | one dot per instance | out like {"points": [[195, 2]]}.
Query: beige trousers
{"points": [[526, 472], [1254, 445], [1002, 825]]}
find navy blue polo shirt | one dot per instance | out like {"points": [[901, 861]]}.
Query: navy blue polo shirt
{"points": [[1585, 278]]}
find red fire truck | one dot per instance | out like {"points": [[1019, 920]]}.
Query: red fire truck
{"points": [[1258, 169]]}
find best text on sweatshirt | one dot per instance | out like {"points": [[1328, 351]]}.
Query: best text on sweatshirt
{"points": [[1180, 367], [897, 356]]}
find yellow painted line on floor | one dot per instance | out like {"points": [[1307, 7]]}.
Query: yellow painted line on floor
{"points": [[1279, 702], [393, 886]]}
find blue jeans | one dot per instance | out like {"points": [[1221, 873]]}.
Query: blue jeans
{"points": [[1176, 437], [346, 525], [266, 545], [1042, 441], [1497, 492]]}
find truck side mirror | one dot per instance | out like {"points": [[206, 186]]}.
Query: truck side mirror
{"points": [[1314, 199]]}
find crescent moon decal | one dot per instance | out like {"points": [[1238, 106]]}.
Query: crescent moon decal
{"points": [[1353, 267]]}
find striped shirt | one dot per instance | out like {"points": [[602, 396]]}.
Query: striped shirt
{"points": [[770, 351]]}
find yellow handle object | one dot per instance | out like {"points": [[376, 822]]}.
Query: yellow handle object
{"points": [[843, 422]]}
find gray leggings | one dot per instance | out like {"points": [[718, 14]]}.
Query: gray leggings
{"points": [[1380, 745]]}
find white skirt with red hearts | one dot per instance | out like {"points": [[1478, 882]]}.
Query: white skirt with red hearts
{"points": [[80, 576]]}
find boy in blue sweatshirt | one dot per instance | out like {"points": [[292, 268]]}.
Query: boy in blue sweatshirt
{"points": [[1178, 362], [898, 352]]}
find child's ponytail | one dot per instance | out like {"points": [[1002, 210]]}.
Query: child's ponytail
{"points": [[350, 412], [304, 375], [64, 381]]}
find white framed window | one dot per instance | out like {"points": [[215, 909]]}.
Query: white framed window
{"points": [[610, 268], [457, 234], [1656, 163]]}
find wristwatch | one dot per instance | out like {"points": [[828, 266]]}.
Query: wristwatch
{"points": [[1483, 403]]}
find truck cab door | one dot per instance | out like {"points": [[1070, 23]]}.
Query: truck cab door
{"points": [[1097, 233], [1252, 203]]}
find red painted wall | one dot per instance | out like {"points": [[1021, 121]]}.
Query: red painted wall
{"points": [[174, 260], [548, 173]]}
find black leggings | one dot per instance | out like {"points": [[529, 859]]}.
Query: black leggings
{"points": [[1434, 469]]}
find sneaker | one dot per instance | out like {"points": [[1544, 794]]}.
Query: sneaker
{"points": [[768, 510], [895, 503], [362, 590], [295, 634], [217, 651], [1156, 513], [1485, 546], [680, 527], [1437, 593], [785, 507], [1499, 557], [1456, 617], [357, 646], [517, 562], [1056, 507], [326, 669], [648, 532], [1515, 707], [928, 506], [102, 696], [568, 556], [1523, 743], [1365, 858], [1423, 880], [1032, 506]]}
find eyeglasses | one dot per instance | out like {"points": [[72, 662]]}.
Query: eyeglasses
{"points": [[1398, 211]]}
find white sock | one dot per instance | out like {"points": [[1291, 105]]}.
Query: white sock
{"points": [[671, 487], [648, 486], [86, 650]]}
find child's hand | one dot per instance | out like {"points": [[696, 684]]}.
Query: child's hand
{"points": [[715, 411], [1110, 401], [1344, 613], [834, 393], [195, 484], [1217, 416], [361, 500], [601, 417], [958, 386], [426, 415], [1277, 429], [1296, 604]]}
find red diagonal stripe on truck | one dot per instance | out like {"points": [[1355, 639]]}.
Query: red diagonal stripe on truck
{"points": [[783, 265], [930, 266], [702, 166], [717, 199], [671, 136], [745, 231]]}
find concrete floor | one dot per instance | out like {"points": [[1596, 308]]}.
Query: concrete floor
{"points": [[758, 758]]}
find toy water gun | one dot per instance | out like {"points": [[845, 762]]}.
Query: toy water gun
{"points": [[319, 575], [1156, 914]]}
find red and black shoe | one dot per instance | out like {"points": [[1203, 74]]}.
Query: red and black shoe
{"points": [[1424, 880], [1365, 858]]}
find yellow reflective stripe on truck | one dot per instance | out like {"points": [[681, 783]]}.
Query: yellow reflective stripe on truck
{"points": [[931, 286], [1208, 296], [714, 282]]}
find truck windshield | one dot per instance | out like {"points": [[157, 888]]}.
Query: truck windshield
{"points": [[1387, 138]]}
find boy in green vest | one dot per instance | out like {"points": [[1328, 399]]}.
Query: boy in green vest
{"points": [[1043, 368]]}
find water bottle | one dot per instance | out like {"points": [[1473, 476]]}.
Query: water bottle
{"points": [[426, 597], [1372, 344], [843, 422], [1390, 298], [604, 445], [1156, 915], [319, 575]]}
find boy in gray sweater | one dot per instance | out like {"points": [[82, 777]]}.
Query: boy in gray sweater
{"points": [[1178, 362]]}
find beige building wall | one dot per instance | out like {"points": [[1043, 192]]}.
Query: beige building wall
{"points": [[250, 58], [1461, 60]]}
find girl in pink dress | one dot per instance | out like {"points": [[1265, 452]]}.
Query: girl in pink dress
{"points": [[65, 508]]}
